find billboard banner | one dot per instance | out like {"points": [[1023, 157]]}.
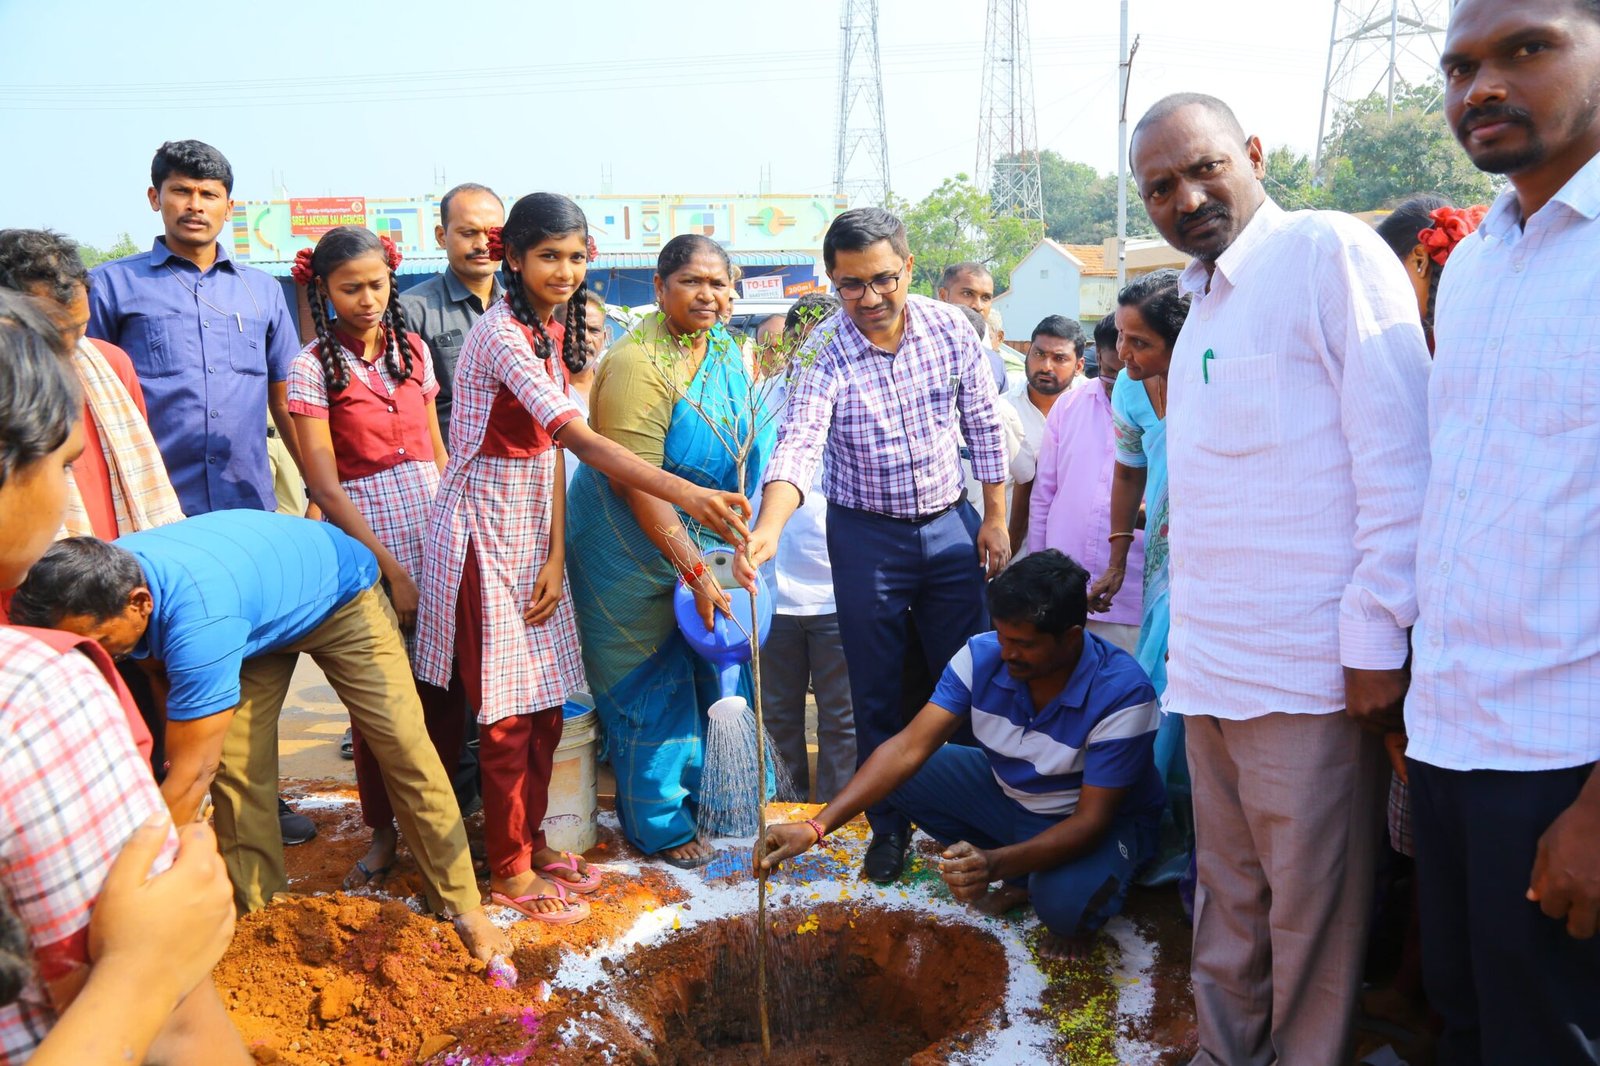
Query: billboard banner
{"points": [[314, 216]]}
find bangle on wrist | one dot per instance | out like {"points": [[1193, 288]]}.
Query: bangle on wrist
{"points": [[816, 827], [1119, 536], [689, 577]]}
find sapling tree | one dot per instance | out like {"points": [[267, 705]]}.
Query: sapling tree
{"points": [[738, 424]]}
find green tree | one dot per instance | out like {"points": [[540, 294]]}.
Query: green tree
{"points": [[952, 224], [93, 256], [1372, 158], [1292, 181], [1080, 203]]}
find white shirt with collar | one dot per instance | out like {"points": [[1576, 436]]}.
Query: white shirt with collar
{"points": [[1297, 459], [1507, 665]]}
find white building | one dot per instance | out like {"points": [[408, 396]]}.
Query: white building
{"points": [[1076, 280]]}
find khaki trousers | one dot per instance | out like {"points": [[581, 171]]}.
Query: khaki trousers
{"points": [[360, 651], [1288, 809]]}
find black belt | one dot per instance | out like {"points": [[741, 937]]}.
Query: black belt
{"points": [[919, 520]]}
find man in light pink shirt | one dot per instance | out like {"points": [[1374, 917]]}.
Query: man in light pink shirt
{"points": [[1070, 506]]}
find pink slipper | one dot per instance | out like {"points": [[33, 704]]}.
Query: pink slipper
{"points": [[575, 910], [569, 861]]}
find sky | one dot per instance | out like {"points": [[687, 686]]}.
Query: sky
{"points": [[400, 99]]}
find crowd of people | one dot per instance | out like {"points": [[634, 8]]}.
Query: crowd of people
{"points": [[1360, 532]]}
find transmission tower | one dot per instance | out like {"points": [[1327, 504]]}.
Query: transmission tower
{"points": [[1379, 46], [861, 172], [1008, 145]]}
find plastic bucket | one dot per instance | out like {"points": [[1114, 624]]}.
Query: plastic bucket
{"points": [[570, 819]]}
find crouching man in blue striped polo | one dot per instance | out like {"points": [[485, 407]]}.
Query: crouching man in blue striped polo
{"points": [[1060, 800]]}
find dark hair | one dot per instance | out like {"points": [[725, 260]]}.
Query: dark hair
{"points": [[1045, 588], [334, 249], [16, 955], [190, 159], [860, 228], [1169, 105], [810, 309], [466, 186], [955, 270], [979, 324], [536, 217], [1105, 332], [682, 248], [1399, 230], [30, 257], [79, 575], [39, 397], [1158, 301], [1063, 327]]}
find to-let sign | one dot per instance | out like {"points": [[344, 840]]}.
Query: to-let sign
{"points": [[315, 216]]}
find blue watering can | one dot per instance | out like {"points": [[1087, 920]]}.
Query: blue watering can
{"points": [[724, 645]]}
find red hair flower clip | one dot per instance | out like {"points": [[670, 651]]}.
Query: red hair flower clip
{"points": [[1451, 225], [301, 272], [497, 249], [594, 249], [391, 253]]}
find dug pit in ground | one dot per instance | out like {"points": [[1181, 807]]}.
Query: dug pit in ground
{"points": [[853, 986]]}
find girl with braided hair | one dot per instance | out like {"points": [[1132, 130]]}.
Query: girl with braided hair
{"points": [[362, 395], [1423, 230], [494, 584]]}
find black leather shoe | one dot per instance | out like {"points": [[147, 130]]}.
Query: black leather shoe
{"points": [[886, 857], [296, 828]]}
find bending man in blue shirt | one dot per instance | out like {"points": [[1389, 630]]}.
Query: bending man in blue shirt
{"points": [[1060, 799], [217, 608]]}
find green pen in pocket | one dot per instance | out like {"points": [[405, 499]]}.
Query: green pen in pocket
{"points": [[1205, 365]]}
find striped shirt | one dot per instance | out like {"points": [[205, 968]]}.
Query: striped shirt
{"points": [[1506, 673], [73, 788], [1099, 731], [1296, 461], [888, 427]]}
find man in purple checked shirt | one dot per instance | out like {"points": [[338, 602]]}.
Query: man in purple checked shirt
{"points": [[892, 387]]}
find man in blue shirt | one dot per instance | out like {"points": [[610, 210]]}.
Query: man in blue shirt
{"points": [[212, 340], [1060, 799], [217, 608]]}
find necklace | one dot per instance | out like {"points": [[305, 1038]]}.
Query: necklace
{"points": [[1156, 389], [194, 290]]}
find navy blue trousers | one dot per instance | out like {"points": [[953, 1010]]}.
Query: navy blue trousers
{"points": [[884, 569], [1512, 987], [955, 797]]}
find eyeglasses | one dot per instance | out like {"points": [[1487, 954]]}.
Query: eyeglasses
{"points": [[855, 290]]}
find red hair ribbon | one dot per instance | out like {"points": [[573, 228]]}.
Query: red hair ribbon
{"points": [[391, 253], [1450, 227], [497, 250], [301, 272], [594, 249]]}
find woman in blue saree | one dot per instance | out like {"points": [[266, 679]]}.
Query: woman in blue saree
{"points": [[1150, 314], [677, 393]]}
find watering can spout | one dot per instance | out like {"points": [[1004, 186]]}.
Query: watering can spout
{"points": [[728, 679]]}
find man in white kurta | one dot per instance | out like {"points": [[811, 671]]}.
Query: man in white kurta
{"points": [[1504, 710], [1296, 462]]}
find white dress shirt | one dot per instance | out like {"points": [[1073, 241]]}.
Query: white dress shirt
{"points": [[1507, 666], [1297, 460], [801, 574]]}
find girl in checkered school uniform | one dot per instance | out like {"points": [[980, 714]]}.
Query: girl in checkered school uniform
{"points": [[362, 395], [494, 589]]}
